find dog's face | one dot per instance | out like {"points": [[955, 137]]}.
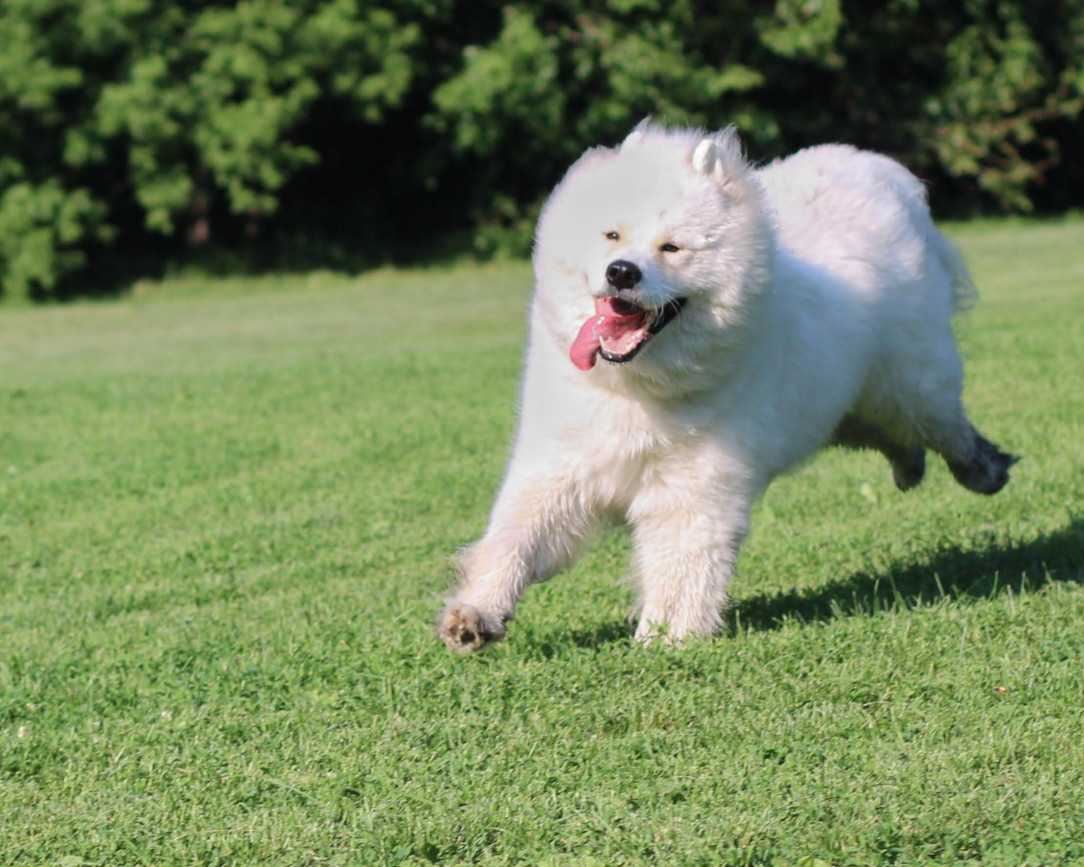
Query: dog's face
{"points": [[645, 253]]}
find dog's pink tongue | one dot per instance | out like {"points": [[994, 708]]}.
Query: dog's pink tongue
{"points": [[607, 324]]}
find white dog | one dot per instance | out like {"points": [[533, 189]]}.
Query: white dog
{"points": [[698, 328]]}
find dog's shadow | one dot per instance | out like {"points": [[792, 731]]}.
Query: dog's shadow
{"points": [[951, 572]]}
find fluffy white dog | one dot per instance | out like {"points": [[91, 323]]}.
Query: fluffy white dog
{"points": [[699, 327]]}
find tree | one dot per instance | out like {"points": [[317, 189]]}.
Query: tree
{"points": [[132, 129]]}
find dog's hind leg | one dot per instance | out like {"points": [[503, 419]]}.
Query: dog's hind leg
{"points": [[975, 462], [908, 464]]}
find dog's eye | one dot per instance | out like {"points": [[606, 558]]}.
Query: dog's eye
{"points": [[613, 236], [669, 248]]}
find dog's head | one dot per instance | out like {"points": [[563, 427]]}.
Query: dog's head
{"points": [[648, 254]]}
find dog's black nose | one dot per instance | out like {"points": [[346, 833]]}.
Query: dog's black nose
{"points": [[623, 275]]}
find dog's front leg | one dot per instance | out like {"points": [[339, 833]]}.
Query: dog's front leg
{"points": [[536, 529], [686, 547]]}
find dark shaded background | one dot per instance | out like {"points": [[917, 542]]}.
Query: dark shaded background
{"points": [[140, 135]]}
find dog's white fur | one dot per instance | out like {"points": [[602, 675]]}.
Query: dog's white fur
{"points": [[819, 297]]}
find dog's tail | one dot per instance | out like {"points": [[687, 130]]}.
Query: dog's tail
{"points": [[913, 195], [964, 293]]}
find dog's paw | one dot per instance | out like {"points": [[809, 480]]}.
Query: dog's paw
{"points": [[465, 628], [675, 635], [988, 470], [647, 634], [909, 468]]}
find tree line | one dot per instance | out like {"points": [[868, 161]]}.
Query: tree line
{"points": [[295, 133]]}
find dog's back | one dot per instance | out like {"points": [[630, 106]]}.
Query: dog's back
{"points": [[864, 218]]}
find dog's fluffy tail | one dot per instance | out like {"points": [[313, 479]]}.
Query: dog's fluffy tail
{"points": [[913, 195], [964, 293]]}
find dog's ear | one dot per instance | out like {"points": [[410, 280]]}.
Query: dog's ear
{"points": [[720, 158], [594, 156], [704, 157], [639, 133], [635, 137]]}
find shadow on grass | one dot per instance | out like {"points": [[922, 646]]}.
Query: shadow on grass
{"points": [[558, 642], [951, 573]]}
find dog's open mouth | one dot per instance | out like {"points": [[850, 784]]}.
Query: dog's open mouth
{"points": [[619, 329]]}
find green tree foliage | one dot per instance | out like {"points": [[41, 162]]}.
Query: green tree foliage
{"points": [[379, 126], [976, 95], [115, 108]]}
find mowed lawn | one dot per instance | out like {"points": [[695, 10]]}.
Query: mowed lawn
{"points": [[226, 509]]}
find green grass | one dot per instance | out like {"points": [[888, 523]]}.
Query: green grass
{"points": [[225, 515]]}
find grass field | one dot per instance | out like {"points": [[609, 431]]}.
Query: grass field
{"points": [[225, 513]]}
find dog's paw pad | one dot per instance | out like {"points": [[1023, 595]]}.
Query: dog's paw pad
{"points": [[464, 628]]}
